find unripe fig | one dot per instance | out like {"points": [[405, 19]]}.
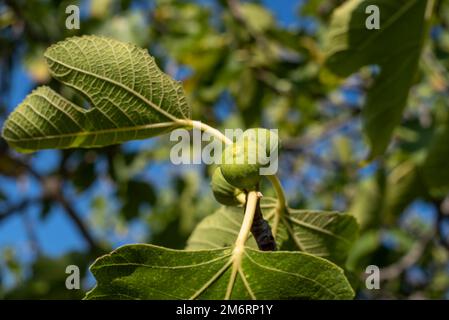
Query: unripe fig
{"points": [[223, 191], [243, 159], [240, 167]]}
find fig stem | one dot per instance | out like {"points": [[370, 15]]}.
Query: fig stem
{"points": [[205, 128], [282, 200], [248, 218], [239, 246], [281, 206]]}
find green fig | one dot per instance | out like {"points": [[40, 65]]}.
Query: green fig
{"points": [[224, 192], [236, 168], [243, 159]]}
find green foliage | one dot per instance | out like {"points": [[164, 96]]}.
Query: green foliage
{"points": [[434, 167], [325, 234], [131, 98], [328, 235], [48, 278], [314, 81], [351, 45], [135, 194], [140, 92], [151, 272]]}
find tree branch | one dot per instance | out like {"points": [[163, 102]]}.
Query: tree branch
{"points": [[329, 128], [52, 190], [18, 208], [82, 228], [408, 260]]}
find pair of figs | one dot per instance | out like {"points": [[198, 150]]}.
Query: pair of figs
{"points": [[241, 164]]}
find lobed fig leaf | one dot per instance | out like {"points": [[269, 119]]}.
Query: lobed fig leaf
{"points": [[145, 271], [131, 99]]}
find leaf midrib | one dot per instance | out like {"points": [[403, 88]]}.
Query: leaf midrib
{"points": [[97, 132]]}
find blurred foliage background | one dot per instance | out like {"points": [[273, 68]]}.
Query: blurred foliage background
{"points": [[243, 64]]}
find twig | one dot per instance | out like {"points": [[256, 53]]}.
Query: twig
{"points": [[32, 237], [408, 260], [52, 191], [301, 143], [18, 208], [417, 250], [82, 228]]}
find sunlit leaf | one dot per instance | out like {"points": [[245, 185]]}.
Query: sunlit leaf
{"points": [[130, 98], [328, 235], [151, 272], [395, 47]]}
